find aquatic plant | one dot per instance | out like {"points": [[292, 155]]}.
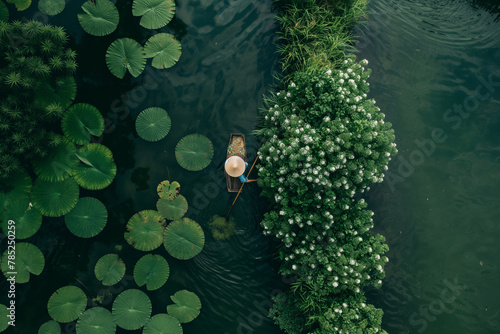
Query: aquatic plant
{"points": [[67, 304], [88, 218], [4, 12], [167, 190], [125, 54], [51, 7], [99, 17], [145, 230], [96, 168], [28, 259], [28, 219], [96, 320], [59, 162], [4, 320], [50, 327], [151, 270], [187, 306], [164, 49], [194, 152], [222, 229], [109, 269], [162, 323], [80, 122], [154, 13], [55, 199], [131, 309], [20, 4], [153, 124], [172, 209], [184, 238]]}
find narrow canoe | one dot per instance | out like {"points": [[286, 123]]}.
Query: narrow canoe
{"points": [[237, 147]]}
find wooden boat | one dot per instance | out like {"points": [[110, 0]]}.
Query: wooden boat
{"points": [[237, 147]]}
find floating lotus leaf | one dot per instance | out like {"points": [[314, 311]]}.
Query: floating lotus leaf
{"points": [[153, 124], [4, 12], [55, 199], [145, 230], [61, 92], [58, 164], [125, 54], [131, 309], [168, 190], [20, 4], [67, 304], [50, 327], [172, 209], [99, 17], [151, 270], [4, 320], [27, 218], [187, 306], [96, 320], [162, 324], [51, 7], [96, 169], [88, 218], [81, 121], [184, 238], [29, 259], [164, 49], [109, 269], [155, 13], [194, 152]]}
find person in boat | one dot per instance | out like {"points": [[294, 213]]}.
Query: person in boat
{"points": [[236, 167]]}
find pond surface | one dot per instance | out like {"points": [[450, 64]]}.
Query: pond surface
{"points": [[439, 205], [227, 64]]}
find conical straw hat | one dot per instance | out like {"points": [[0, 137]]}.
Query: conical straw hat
{"points": [[234, 166]]}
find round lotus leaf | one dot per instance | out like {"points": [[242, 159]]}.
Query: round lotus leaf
{"points": [[162, 324], [51, 7], [55, 199], [194, 152], [168, 190], [67, 304], [88, 218], [96, 320], [99, 17], [131, 309], [155, 13], [151, 270], [164, 49], [27, 218], [4, 320], [172, 209], [145, 230], [58, 164], [4, 12], [81, 121], [153, 124], [60, 92], [184, 238], [187, 306], [28, 259], [96, 168], [20, 4], [109, 269], [50, 327], [125, 54]]}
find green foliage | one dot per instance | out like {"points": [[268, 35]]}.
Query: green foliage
{"points": [[4, 12], [51, 7], [172, 209], [36, 86], [155, 13], [164, 49], [96, 320], [28, 260], [162, 323], [109, 269], [55, 199], [99, 17], [131, 309], [145, 230], [168, 190], [187, 306], [96, 168], [20, 4], [153, 124], [194, 152], [88, 218], [81, 121], [287, 315], [123, 55], [184, 238], [50, 327], [222, 229], [67, 304], [151, 270]]}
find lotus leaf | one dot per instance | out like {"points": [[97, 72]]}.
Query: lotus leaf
{"points": [[168, 190], [172, 209], [28, 219], [29, 259], [153, 124], [194, 152], [51, 7], [81, 121], [4, 12], [67, 304], [187, 306], [99, 17], [88, 218], [96, 169], [125, 54], [58, 164], [96, 320], [131, 309], [55, 199], [145, 230], [61, 92], [164, 49], [20, 4], [184, 238], [4, 320], [155, 13], [152, 271], [162, 324], [109, 269], [50, 327]]}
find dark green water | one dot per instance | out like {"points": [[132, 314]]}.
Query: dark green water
{"points": [[439, 204]]}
